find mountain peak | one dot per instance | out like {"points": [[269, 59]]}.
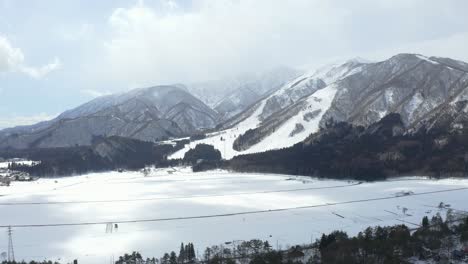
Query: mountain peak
{"points": [[148, 114], [404, 57], [359, 60]]}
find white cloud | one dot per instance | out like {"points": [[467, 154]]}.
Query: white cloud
{"points": [[212, 38], [21, 120], [10, 57], [76, 33], [39, 72], [12, 60]]}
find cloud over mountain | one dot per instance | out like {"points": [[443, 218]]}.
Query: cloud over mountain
{"points": [[12, 59]]}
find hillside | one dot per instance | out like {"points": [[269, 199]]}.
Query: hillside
{"points": [[424, 91], [342, 150], [149, 114]]}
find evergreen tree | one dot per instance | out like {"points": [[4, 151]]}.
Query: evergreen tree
{"points": [[191, 252], [208, 254], [173, 258], [186, 251], [182, 253], [266, 245], [464, 231], [425, 221], [165, 259]]}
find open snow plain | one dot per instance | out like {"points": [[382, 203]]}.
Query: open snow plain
{"points": [[171, 206]]}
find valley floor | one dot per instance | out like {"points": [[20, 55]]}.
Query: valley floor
{"points": [[156, 212]]}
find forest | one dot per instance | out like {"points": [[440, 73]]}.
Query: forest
{"points": [[341, 150], [437, 239], [111, 153]]}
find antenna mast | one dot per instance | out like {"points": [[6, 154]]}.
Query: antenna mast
{"points": [[11, 250]]}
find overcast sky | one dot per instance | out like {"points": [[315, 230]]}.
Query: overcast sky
{"points": [[56, 54]]}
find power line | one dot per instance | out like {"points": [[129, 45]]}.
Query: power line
{"points": [[176, 197], [230, 214]]}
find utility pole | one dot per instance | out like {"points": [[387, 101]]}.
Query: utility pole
{"points": [[11, 251]]}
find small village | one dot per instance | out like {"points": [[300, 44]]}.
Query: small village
{"points": [[8, 175]]}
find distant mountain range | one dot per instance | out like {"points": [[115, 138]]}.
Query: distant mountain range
{"points": [[148, 114], [427, 92], [268, 111]]}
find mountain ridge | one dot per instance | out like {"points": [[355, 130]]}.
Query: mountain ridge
{"points": [[426, 91], [149, 114], [418, 88]]}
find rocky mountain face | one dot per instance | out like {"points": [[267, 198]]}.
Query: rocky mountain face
{"points": [[426, 92], [148, 114], [230, 96], [416, 87]]}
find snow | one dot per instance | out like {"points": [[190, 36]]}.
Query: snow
{"points": [[360, 60], [389, 96], [414, 104], [337, 71], [178, 192], [280, 138], [320, 100], [426, 59], [224, 140]]}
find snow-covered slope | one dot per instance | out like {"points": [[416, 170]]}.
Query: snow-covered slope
{"points": [[425, 91], [298, 127], [285, 117]]}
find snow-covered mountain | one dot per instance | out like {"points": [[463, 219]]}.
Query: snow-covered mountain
{"points": [[256, 116], [424, 91], [417, 87], [148, 114], [230, 96]]}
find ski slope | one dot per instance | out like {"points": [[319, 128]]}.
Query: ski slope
{"points": [[281, 138], [224, 140], [156, 213], [301, 88]]}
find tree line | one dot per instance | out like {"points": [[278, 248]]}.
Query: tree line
{"points": [[436, 239]]}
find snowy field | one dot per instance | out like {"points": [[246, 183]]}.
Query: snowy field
{"points": [[205, 208]]}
